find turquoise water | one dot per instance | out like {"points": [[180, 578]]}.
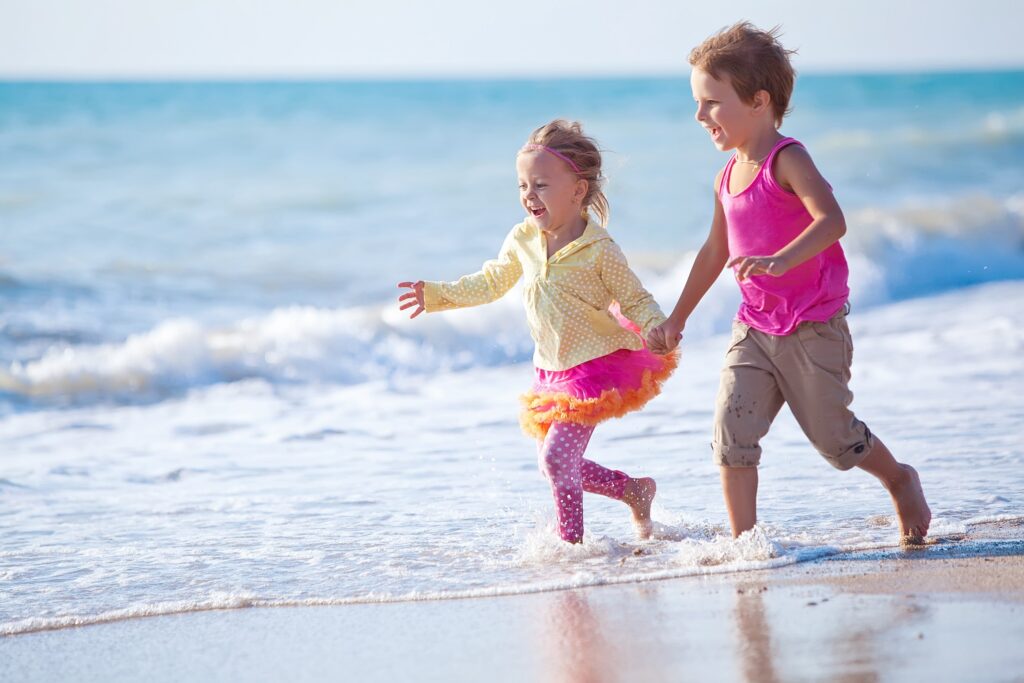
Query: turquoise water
{"points": [[125, 205]]}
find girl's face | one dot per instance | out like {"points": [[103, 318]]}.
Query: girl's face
{"points": [[729, 120], [549, 190]]}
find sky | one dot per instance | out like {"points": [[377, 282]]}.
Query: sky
{"points": [[531, 38]]}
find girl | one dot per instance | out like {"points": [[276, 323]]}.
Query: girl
{"points": [[591, 364]]}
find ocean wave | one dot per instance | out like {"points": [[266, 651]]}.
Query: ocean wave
{"points": [[288, 345], [991, 128], [930, 246], [753, 550], [917, 249]]}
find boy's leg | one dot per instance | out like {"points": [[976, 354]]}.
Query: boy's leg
{"points": [[814, 378], [748, 401], [739, 486], [904, 486]]}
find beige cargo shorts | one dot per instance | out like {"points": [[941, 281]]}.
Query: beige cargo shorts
{"points": [[808, 369]]}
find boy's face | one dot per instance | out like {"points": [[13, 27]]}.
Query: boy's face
{"points": [[729, 120]]}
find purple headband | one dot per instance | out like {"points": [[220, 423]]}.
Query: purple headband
{"points": [[557, 154]]}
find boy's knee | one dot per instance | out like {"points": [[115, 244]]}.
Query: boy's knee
{"points": [[846, 450], [731, 455]]}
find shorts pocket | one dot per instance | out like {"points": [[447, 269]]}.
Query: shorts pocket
{"points": [[740, 331], [827, 344]]}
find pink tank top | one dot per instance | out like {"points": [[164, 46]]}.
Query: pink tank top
{"points": [[762, 219]]}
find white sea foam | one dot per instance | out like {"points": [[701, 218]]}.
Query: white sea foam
{"points": [[895, 254]]}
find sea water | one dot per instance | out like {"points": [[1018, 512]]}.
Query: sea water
{"points": [[208, 397]]}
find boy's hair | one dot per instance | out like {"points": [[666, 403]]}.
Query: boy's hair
{"points": [[753, 60], [568, 139]]}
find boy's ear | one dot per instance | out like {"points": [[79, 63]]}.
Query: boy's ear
{"points": [[762, 101]]}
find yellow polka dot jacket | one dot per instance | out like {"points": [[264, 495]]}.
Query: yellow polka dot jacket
{"points": [[566, 297]]}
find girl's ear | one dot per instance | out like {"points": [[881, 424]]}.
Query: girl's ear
{"points": [[762, 101], [580, 190]]}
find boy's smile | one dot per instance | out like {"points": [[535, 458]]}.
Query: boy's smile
{"points": [[720, 111]]}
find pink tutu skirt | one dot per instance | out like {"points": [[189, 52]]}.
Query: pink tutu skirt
{"points": [[594, 391]]}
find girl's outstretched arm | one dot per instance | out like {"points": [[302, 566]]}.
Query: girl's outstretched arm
{"points": [[490, 283], [795, 171], [705, 270]]}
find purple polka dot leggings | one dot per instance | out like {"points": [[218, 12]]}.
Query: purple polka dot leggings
{"points": [[561, 460]]}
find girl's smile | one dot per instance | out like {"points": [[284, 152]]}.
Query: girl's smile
{"points": [[550, 191]]}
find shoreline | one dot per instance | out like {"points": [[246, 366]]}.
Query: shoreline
{"points": [[910, 614]]}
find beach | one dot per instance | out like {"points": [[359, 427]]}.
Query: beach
{"points": [[938, 614], [224, 452]]}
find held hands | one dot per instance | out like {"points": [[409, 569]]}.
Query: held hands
{"points": [[748, 266], [664, 337], [412, 298]]}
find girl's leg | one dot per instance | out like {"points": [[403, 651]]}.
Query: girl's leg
{"points": [[561, 460], [638, 494]]}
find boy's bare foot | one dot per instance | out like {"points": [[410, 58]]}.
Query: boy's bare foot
{"points": [[638, 496], [911, 508]]}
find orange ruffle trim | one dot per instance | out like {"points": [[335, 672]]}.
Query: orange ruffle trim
{"points": [[540, 410]]}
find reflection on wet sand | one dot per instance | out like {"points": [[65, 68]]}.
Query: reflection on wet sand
{"points": [[578, 650]]}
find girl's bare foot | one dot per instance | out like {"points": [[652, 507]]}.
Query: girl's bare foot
{"points": [[911, 507], [638, 495]]}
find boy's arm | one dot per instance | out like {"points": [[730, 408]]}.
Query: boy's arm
{"points": [[705, 270], [795, 171]]}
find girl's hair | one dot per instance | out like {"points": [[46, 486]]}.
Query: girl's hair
{"points": [[567, 138], [752, 60]]}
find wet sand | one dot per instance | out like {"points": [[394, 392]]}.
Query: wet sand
{"points": [[944, 613]]}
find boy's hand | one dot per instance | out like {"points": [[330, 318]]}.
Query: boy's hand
{"points": [[748, 266], [413, 298], [664, 338]]}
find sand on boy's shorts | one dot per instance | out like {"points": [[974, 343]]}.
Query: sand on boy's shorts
{"points": [[809, 370]]}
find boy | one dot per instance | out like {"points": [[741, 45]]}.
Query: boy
{"points": [[777, 225]]}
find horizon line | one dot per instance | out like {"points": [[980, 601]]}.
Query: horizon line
{"points": [[413, 76]]}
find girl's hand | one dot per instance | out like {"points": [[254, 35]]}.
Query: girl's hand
{"points": [[412, 298], [748, 266], [664, 338]]}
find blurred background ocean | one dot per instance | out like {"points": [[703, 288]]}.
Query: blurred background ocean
{"points": [[162, 236]]}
